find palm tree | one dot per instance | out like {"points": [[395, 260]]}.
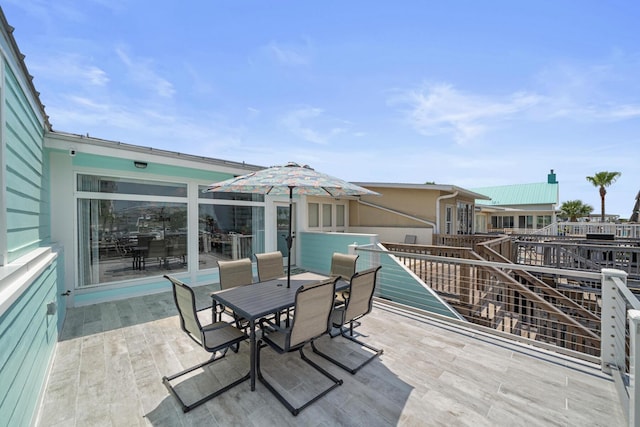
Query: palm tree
{"points": [[603, 180], [574, 209]]}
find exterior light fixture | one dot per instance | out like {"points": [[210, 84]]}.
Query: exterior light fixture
{"points": [[140, 165]]}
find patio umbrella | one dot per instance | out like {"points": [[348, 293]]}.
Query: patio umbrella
{"points": [[287, 179]]}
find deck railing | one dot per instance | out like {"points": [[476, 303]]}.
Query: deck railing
{"points": [[620, 343], [491, 294], [587, 315]]}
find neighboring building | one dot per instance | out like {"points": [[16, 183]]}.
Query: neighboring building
{"points": [[421, 210], [518, 208]]}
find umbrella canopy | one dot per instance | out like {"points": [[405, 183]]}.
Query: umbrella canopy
{"points": [[289, 179]]}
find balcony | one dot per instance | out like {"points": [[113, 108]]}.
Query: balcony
{"points": [[434, 371]]}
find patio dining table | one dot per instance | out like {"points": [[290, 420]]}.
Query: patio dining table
{"points": [[256, 301]]}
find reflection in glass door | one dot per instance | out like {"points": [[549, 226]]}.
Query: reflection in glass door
{"points": [[282, 231]]}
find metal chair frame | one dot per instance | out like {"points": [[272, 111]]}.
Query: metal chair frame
{"points": [[365, 304], [221, 334], [300, 340]]}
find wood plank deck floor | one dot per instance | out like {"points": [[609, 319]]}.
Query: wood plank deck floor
{"points": [[111, 357]]}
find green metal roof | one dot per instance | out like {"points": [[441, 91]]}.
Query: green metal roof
{"points": [[519, 194]]}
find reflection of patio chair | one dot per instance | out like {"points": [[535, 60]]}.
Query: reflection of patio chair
{"points": [[158, 250], [179, 249], [359, 304], [233, 273], [270, 265], [343, 266], [313, 306], [218, 336]]}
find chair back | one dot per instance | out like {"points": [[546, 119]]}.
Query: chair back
{"points": [[343, 265], [361, 290], [312, 313], [186, 304], [270, 265], [235, 273], [157, 249]]}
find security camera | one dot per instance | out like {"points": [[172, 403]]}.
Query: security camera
{"points": [[72, 152]]}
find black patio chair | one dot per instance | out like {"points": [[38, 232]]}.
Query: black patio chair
{"points": [[358, 304], [313, 307], [216, 338]]}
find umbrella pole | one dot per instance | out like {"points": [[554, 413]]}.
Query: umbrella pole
{"points": [[289, 238]]}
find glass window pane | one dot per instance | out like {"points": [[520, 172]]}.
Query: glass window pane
{"points": [[340, 209], [249, 197], [314, 215], [229, 232], [326, 215], [120, 240], [102, 184]]}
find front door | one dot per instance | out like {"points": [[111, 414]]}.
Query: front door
{"points": [[282, 230]]}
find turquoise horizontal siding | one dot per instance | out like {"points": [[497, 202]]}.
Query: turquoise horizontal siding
{"points": [[317, 248], [119, 164], [396, 284], [25, 182], [28, 337]]}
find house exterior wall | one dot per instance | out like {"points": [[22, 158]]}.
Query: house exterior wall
{"points": [[417, 203], [109, 159], [31, 308], [403, 210]]}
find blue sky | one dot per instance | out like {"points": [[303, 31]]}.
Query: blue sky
{"points": [[467, 93]]}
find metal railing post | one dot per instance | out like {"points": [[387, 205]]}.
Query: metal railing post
{"points": [[634, 361], [614, 317]]}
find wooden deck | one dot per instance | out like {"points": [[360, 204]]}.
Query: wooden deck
{"points": [[111, 357]]}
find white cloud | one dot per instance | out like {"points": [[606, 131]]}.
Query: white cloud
{"points": [[311, 124], [70, 68], [142, 73], [440, 108], [289, 54]]}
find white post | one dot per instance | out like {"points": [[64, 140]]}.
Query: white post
{"points": [[634, 344], [352, 248], [614, 310]]}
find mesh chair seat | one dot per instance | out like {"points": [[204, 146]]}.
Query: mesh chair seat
{"points": [[215, 338], [343, 266], [233, 273], [270, 265], [313, 306], [358, 304]]}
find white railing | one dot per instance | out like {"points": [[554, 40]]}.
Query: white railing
{"points": [[626, 231], [620, 344]]}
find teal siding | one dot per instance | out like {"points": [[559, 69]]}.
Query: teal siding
{"points": [[396, 284], [28, 337], [119, 164], [25, 182], [317, 248]]}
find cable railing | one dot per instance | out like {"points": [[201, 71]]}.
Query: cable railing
{"points": [[483, 295]]}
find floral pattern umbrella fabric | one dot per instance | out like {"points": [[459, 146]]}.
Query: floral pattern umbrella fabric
{"points": [[287, 179]]}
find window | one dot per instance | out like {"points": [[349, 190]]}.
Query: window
{"points": [[543, 221], [340, 215], [230, 226], [129, 228], [498, 222], [465, 218], [525, 221], [326, 215], [314, 214], [448, 222]]}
